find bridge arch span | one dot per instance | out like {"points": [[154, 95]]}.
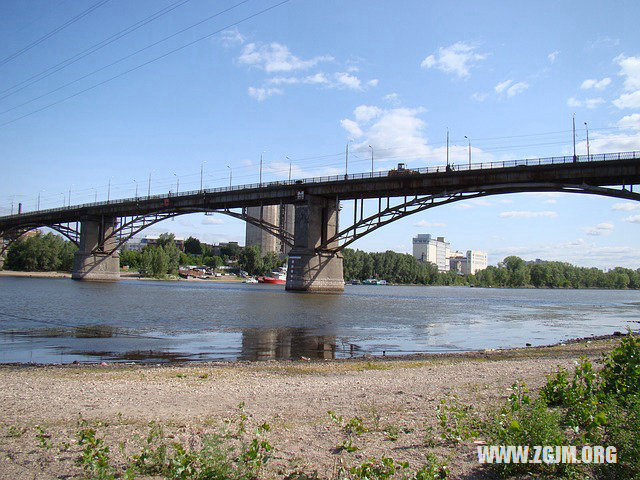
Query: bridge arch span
{"points": [[384, 216]]}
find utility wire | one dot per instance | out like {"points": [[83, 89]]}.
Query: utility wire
{"points": [[129, 56], [94, 48], [58, 324], [53, 32]]}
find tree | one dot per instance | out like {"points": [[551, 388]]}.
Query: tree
{"points": [[250, 260], [41, 253], [193, 246]]}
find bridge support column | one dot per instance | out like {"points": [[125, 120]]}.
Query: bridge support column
{"points": [[91, 261], [309, 269]]}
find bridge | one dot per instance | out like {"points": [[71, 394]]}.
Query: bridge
{"points": [[315, 262]]}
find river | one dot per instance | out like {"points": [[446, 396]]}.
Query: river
{"points": [[48, 320]]}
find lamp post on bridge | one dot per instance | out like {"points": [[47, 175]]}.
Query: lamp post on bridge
{"points": [[69, 197], [289, 167], [177, 183], [260, 182], [38, 205], [230, 175], [202, 176], [575, 158], [109, 191], [469, 151], [346, 161], [149, 187], [371, 159], [588, 153], [136, 182]]}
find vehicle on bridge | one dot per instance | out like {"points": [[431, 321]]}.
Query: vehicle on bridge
{"points": [[402, 170]]}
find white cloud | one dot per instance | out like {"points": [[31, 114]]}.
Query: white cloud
{"points": [[633, 219], [511, 88], [630, 69], [517, 88], [352, 127], [553, 55], [628, 100], [261, 94], [348, 80], [393, 132], [373, 82], [578, 252], [479, 97], [631, 122], [317, 78], [207, 220], [393, 99], [596, 84], [457, 59], [276, 57], [425, 223], [612, 143], [499, 88], [600, 229], [232, 37], [590, 103], [365, 113], [528, 214], [626, 206], [284, 80]]}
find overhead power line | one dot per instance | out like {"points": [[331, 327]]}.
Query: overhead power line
{"points": [[92, 49], [54, 31], [132, 55]]}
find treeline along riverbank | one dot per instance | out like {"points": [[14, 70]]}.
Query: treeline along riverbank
{"points": [[49, 252]]}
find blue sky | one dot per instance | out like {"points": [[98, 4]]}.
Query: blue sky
{"points": [[304, 78]]}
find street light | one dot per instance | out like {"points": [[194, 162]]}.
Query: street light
{"points": [[289, 167], [371, 159], [201, 174], [177, 183], [346, 160], [69, 197], [149, 187], [575, 158], [469, 151], [261, 166], [136, 182], [587, 127], [230, 175], [109, 191], [39, 200]]}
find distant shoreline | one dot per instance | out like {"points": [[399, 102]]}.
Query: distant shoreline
{"points": [[136, 276], [123, 276]]}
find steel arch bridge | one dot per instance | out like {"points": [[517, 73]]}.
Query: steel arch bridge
{"points": [[399, 193]]}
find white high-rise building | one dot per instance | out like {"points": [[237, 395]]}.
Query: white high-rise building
{"points": [[279, 215], [434, 250], [476, 261]]}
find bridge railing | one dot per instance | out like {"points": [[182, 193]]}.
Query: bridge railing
{"points": [[527, 162]]}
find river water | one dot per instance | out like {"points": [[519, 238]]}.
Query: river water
{"points": [[60, 321]]}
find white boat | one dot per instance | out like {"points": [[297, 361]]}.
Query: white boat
{"points": [[250, 280]]}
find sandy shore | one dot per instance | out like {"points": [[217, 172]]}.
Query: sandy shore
{"points": [[293, 397]]}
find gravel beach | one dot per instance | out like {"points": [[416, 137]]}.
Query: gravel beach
{"points": [[44, 403]]}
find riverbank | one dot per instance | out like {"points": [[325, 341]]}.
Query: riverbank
{"points": [[44, 403], [123, 275]]}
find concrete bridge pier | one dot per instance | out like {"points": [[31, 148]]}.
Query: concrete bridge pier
{"points": [[309, 269], [92, 262]]}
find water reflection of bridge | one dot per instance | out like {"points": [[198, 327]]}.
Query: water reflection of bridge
{"points": [[286, 343]]}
